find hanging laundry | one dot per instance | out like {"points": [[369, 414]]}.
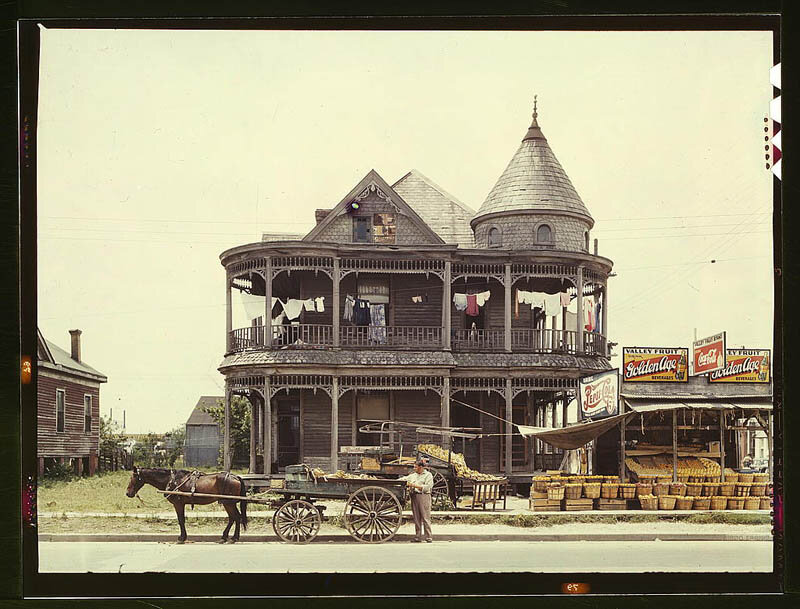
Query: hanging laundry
{"points": [[472, 305], [572, 321], [589, 314], [293, 308], [377, 329], [253, 305], [597, 316], [361, 313], [564, 299], [482, 297], [552, 303], [460, 301], [310, 304], [320, 302], [516, 306], [572, 307], [349, 304], [416, 299]]}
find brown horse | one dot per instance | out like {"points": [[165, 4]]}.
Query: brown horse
{"points": [[221, 483]]}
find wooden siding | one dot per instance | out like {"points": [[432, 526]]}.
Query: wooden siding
{"points": [[406, 313], [312, 286], [417, 407], [73, 441], [490, 446]]}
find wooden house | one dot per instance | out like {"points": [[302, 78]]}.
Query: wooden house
{"points": [[447, 340], [203, 437], [68, 407]]}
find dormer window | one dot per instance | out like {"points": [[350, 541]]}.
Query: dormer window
{"points": [[495, 238], [544, 234], [586, 240]]}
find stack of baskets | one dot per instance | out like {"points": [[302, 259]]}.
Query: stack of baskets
{"points": [[644, 488]]}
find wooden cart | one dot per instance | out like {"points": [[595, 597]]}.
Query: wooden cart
{"points": [[373, 509]]}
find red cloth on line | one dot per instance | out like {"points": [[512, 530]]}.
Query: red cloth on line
{"points": [[472, 305]]}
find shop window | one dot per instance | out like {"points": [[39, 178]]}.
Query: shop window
{"points": [[362, 230], [384, 228], [60, 397], [495, 237], [87, 413], [544, 234]]}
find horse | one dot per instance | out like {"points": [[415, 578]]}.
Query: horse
{"points": [[221, 483]]}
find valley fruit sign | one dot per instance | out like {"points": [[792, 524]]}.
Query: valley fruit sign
{"points": [[598, 395], [743, 366], [655, 364], [708, 354]]}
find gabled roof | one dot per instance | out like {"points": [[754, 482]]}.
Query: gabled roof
{"points": [[373, 182], [534, 181], [199, 416], [56, 357], [445, 214]]}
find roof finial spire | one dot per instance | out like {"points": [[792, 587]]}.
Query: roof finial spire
{"points": [[535, 114], [533, 131]]}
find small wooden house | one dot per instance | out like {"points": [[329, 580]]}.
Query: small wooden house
{"points": [[405, 304], [203, 438], [68, 407]]}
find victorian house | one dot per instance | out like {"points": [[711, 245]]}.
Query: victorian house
{"points": [[404, 304]]}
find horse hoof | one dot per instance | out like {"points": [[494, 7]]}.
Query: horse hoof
{"points": [[181, 541], [223, 540], [233, 541]]}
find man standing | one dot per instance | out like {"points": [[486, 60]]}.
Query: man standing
{"points": [[420, 481]]}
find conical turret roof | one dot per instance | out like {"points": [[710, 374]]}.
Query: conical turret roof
{"points": [[533, 181]]}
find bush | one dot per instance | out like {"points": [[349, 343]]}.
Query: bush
{"points": [[59, 472]]}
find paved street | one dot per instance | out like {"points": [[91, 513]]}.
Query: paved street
{"points": [[441, 556]]}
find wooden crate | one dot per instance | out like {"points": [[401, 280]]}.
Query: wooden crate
{"points": [[538, 495], [576, 505], [545, 504], [611, 504], [547, 508]]}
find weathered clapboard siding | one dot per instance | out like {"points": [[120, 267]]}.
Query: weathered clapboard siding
{"points": [[417, 407], [346, 413], [490, 445], [316, 424], [73, 441], [408, 313]]}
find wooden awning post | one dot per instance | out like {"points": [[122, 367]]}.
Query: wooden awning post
{"points": [[674, 445], [509, 426], [446, 305], [253, 434], [445, 406], [226, 450], [228, 313], [722, 445], [507, 306], [622, 425], [267, 426], [336, 299], [335, 424], [268, 303]]}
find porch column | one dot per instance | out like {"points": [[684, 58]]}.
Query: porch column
{"points": [[337, 265], [507, 286], [335, 424], [268, 303], [446, 306], [446, 410], [267, 426], [509, 412], [253, 435], [531, 421], [622, 426], [226, 450], [579, 329], [674, 445], [228, 312], [604, 318], [722, 445]]}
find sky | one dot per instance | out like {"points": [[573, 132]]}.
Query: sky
{"points": [[158, 150]]}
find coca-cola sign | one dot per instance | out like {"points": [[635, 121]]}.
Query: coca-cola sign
{"points": [[598, 395], [655, 364], [708, 354], [743, 366]]}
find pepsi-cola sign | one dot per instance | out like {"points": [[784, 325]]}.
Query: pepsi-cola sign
{"points": [[598, 395]]}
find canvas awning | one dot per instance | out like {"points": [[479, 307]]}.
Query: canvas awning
{"points": [[573, 436], [642, 406]]}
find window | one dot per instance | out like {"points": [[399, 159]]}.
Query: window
{"points": [[544, 234], [59, 410], [87, 413], [495, 238], [586, 240], [361, 229], [384, 228]]}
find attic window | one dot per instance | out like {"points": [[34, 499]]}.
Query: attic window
{"points": [[544, 234], [362, 229], [384, 228], [495, 238]]}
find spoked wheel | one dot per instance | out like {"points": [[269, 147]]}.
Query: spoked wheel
{"points": [[441, 499], [372, 514], [297, 521]]}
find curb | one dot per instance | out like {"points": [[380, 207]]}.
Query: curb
{"points": [[345, 538]]}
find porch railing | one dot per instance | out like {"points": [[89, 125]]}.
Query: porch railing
{"points": [[594, 344], [531, 340], [478, 340], [401, 337]]}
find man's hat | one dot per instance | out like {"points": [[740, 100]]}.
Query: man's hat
{"points": [[422, 461]]}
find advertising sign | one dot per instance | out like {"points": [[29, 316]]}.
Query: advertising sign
{"points": [[655, 364], [598, 395], [708, 354], [743, 366]]}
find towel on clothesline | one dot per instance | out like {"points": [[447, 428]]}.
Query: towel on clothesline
{"points": [[460, 301], [349, 304]]}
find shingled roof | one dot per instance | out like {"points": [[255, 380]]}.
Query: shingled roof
{"points": [[199, 416], [52, 356], [533, 181], [440, 210]]}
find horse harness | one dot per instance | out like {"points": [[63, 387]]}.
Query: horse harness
{"points": [[190, 478]]}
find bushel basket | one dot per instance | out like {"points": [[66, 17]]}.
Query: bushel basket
{"points": [[573, 491], [648, 502], [627, 491], [591, 490], [555, 493], [666, 502], [702, 503], [751, 503], [684, 503], [540, 483], [726, 489], [746, 478], [763, 503], [719, 503], [660, 488], [710, 489], [742, 489], [644, 489], [735, 503], [609, 490]]}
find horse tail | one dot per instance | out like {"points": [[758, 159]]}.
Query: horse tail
{"points": [[243, 509]]}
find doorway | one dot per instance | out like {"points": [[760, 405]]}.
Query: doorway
{"points": [[372, 406], [288, 433]]}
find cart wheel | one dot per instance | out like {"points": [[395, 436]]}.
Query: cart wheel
{"points": [[441, 498], [297, 521], [372, 514]]}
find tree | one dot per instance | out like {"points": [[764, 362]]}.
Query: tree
{"points": [[176, 439], [111, 439], [240, 426], [144, 453]]}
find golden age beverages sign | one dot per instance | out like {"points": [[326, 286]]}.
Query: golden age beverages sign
{"points": [[743, 366], [655, 364]]}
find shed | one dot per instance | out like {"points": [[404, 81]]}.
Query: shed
{"points": [[203, 435]]}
